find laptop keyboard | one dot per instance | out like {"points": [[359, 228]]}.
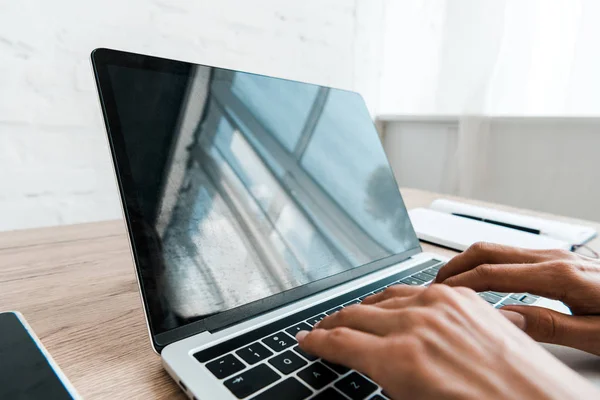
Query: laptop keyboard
{"points": [[267, 363]]}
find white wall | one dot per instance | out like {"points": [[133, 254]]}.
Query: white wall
{"points": [[491, 57], [544, 164], [411, 55], [495, 99], [54, 162]]}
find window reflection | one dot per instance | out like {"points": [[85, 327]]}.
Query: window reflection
{"points": [[281, 106], [364, 189], [270, 184]]}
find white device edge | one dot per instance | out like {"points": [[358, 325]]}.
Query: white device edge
{"points": [[571, 233], [459, 233]]}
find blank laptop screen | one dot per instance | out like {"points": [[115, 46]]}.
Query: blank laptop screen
{"points": [[250, 186]]}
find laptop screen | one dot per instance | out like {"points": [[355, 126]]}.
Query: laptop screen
{"points": [[248, 186]]}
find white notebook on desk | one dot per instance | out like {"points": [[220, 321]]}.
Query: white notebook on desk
{"points": [[459, 225]]}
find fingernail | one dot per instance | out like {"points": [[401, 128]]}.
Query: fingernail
{"points": [[301, 335], [516, 318]]}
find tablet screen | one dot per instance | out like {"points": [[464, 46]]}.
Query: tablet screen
{"points": [[25, 372]]}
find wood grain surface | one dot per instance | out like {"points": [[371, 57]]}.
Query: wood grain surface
{"points": [[76, 287]]}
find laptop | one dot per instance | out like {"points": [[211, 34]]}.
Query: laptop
{"points": [[255, 206]]}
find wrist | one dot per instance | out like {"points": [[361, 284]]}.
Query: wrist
{"points": [[546, 378]]}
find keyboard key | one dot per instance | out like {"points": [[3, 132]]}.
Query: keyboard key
{"points": [[340, 369], [248, 382], [511, 302], [304, 354], [517, 296], [423, 276], [351, 303], [500, 294], [312, 321], [430, 273], [490, 298], [279, 341], [287, 362], [412, 281], [329, 394], [225, 366], [377, 397], [254, 353], [333, 310], [290, 389], [356, 386], [528, 299], [379, 290], [317, 375], [302, 326], [436, 268]]}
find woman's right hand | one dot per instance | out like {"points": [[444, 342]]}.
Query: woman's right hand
{"points": [[441, 343], [555, 274]]}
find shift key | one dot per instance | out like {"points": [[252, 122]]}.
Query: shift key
{"points": [[251, 381]]}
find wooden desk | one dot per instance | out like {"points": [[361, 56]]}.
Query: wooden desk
{"points": [[76, 287]]}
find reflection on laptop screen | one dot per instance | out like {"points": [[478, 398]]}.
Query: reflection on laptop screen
{"points": [[253, 185]]}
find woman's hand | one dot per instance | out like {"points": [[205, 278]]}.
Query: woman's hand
{"points": [[555, 274], [441, 342]]}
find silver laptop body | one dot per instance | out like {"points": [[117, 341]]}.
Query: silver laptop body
{"points": [[255, 206]]}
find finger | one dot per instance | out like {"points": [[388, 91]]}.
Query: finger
{"points": [[345, 346], [517, 319], [487, 253], [425, 296], [549, 326], [399, 290], [365, 318], [544, 279], [395, 303], [467, 292]]}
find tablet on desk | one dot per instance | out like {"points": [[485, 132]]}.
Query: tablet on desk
{"points": [[26, 369], [459, 233]]}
